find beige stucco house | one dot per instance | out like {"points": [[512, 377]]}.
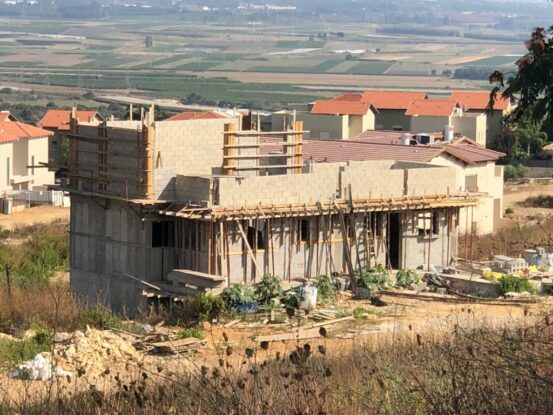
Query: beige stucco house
{"points": [[476, 102], [330, 119], [23, 148]]}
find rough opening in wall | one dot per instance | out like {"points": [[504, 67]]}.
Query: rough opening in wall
{"points": [[163, 234], [256, 237], [436, 223], [304, 230]]}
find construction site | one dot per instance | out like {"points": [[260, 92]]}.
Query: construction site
{"points": [[162, 209]]}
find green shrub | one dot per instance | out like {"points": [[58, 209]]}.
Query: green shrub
{"points": [[13, 352], [511, 283], [373, 279], [195, 331], [326, 289], [512, 172], [100, 319], [291, 300], [405, 278], [6, 324], [509, 211], [268, 288], [210, 307], [237, 295]]}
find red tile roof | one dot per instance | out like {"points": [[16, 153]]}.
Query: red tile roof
{"points": [[59, 119], [6, 115], [331, 107], [392, 100], [11, 131], [205, 115], [338, 150], [469, 153], [379, 136], [431, 108], [350, 96], [329, 151], [478, 100]]}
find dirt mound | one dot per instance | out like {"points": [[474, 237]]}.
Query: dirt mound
{"points": [[94, 351]]}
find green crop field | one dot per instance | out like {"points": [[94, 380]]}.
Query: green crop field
{"points": [[235, 63], [495, 61]]}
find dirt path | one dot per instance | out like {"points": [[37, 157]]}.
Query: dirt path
{"points": [[34, 215]]}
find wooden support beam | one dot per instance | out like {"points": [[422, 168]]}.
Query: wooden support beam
{"points": [[245, 240]]}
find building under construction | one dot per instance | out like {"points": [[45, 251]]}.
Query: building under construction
{"points": [[162, 207]]}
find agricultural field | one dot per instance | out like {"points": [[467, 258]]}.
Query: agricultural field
{"points": [[263, 65]]}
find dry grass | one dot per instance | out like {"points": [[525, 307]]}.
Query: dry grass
{"points": [[476, 370], [51, 307], [510, 241]]}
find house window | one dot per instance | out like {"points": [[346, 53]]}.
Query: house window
{"points": [[304, 230], [33, 165], [163, 234], [424, 221], [255, 238], [471, 183], [8, 171]]}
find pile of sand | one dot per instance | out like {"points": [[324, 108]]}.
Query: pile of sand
{"points": [[94, 351]]}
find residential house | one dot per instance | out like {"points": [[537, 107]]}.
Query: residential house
{"points": [[23, 155], [433, 115], [331, 119], [57, 121], [201, 115], [477, 172], [476, 102], [173, 206], [390, 106]]}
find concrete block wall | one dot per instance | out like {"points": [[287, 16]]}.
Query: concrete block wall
{"points": [[372, 179], [194, 189], [291, 188], [434, 181], [367, 179], [188, 148]]}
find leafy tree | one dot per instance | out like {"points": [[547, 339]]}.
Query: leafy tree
{"points": [[532, 83]]}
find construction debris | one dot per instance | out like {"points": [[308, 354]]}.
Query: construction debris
{"points": [[40, 367]]}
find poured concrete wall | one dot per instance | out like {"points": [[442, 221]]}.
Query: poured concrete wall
{"points": [[108, 241]]}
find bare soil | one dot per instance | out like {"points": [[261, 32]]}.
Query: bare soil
{"points": [[32, 216], [514, 197]]}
